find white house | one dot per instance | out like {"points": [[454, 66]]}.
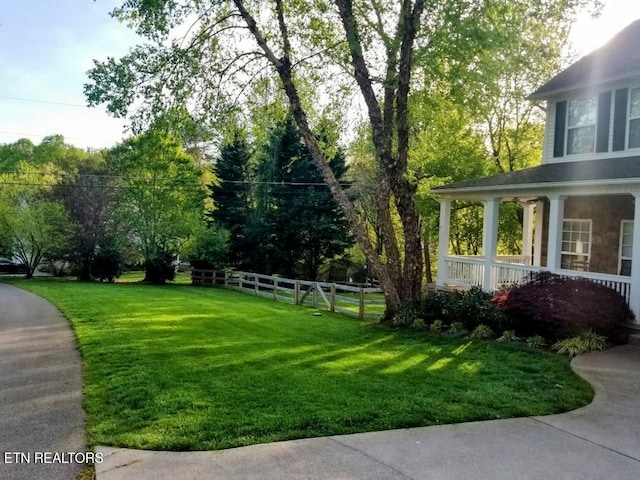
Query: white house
{"points": [[580, 215]]}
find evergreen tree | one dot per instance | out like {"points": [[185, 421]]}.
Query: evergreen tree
{"points": [[299, 223], [232, 195]]}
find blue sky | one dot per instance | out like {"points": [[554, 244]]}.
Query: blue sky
{"points": [[46, 46]]}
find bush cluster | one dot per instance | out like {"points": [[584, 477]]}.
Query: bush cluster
{"points": [[572, 315], [557, 307], [471, 308]]}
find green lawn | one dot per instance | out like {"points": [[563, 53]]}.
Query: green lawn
{"points": [[181, 368], [137, 276]]}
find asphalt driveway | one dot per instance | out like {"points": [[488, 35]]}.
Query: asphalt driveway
{"points": [[40, 390]]}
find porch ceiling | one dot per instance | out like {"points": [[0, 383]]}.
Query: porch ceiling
{"points": [[567, 175]]}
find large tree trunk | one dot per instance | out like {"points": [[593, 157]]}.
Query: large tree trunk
{"points": [[401, 277]]}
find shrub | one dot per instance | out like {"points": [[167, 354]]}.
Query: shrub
{"points": [[107, 265], [436, 327], [208, 248], [559, 307], [472, 307], [160, 269], [482, 332], [509, 336], [406, 316], [457, 329], [583, 343], [536, 341]]}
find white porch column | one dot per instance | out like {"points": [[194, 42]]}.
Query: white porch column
{"points": [[634, 300], [537, 242], [443, 241], [527, 231], [489, 239], [554, 246]]}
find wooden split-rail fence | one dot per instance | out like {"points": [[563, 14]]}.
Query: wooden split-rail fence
{"points": [[360, 301]]}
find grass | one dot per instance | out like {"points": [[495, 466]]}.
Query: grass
{"points": [[138, 276], [186, 368]]}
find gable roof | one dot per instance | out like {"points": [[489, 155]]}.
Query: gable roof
{"points": [[552, 175], [618, 58]]}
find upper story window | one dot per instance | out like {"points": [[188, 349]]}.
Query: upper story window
{"points": [[634, 118], [581, 125]]}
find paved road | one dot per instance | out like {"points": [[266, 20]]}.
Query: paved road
{"points": [[40, 387], [600, 441]]}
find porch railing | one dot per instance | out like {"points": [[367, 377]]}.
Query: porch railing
{"points": [[465, 271], [619, 283], [468, 271]]}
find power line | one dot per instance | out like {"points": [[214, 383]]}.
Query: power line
{"points": [[169, 179], [50, 102]]}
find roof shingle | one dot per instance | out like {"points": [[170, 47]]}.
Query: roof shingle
{"points": [[618, 58], [554, 174]]}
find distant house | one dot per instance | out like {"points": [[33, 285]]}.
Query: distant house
{"points": [[580, 215]]}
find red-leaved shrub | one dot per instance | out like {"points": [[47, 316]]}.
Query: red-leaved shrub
{"points": [[559, 307]]}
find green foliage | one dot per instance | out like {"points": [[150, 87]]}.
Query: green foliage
{"points": [[159, 269], [181, 368], [457, 329], [536, 341], [509, 336], [232, 196], [406, 316], [472, 307], [208, 248], [297, 225], [482, 332], [34, 226], [588, 341], [107, 264], [437, 327], [162, 199]]}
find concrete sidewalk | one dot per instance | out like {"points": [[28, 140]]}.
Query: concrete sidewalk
{"points": [[40, 387], [600, 441]]}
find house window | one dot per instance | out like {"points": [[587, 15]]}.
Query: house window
{"points": [[626, 247], [576, 244], [581, 125], [634, 118]]}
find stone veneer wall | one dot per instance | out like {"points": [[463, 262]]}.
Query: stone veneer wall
{"points": [[605, 213]]}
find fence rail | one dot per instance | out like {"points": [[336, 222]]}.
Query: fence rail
{"points": [[363, 302]]}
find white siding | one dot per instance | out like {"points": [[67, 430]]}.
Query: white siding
{"points": [[549, 133]]}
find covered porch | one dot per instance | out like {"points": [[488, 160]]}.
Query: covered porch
{"points": [[572, 227]]}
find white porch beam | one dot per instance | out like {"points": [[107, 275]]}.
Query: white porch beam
{"points": [[634, 299], [443, 241], [537, 242], [527, 231], [554, 246], [489, 239]]}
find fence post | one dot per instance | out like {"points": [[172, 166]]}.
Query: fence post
{"points": [[296, 292], [275, 288], [255, 282], [226, 278], [241, 281], [314, 301], [332, 298], [361, 306]]}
